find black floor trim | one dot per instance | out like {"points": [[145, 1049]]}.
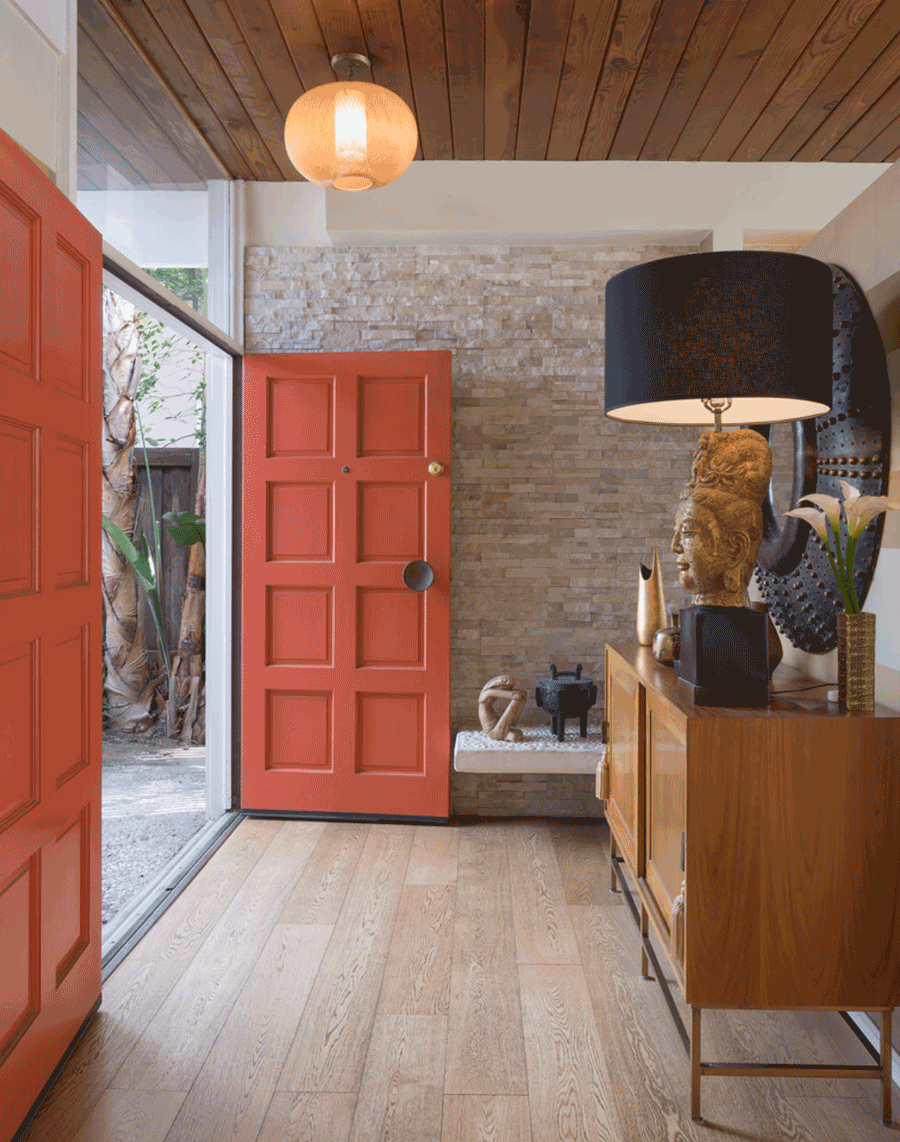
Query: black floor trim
{"points": [[373, 818]]}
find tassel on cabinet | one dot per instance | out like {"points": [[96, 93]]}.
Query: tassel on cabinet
{"points": [[651, 608]]}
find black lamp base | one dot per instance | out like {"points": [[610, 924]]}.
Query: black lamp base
{"points": [[723, 658]]}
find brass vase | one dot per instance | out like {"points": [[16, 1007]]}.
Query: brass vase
{"points": [[856, 661], [651, 608]]}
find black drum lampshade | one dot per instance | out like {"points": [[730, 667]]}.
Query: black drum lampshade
{"points": [[745, 326]]}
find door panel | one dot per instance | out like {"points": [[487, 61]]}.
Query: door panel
{"points": [[624, 806], [345, 670], [666, 751], [50, 671]]}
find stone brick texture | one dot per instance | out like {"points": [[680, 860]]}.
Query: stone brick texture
{"points": [[554, 506]]}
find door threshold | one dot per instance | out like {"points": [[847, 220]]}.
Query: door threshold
{"points": [[368, 818], [130, 925]]}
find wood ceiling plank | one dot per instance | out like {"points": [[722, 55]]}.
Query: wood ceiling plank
{"points": [[102, 150], [222, 33], [862, 95], [299, 25], [893, 156], [341, 26], [545, 48], [844, 82], [150, 88], [668, 40], [868, 127], [711, 33], [504, 51], [383, 28], [820, 56], [263, 37], [103, 154], [751, 35], [464, 39], [142, 25], [124, 106], [628, 41], [91, 173], [110, 142], [797, 28], [179, 27], [885, 143], [586, 48], [423, 23]]}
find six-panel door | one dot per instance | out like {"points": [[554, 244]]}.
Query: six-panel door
{"points": [[50, 628], [345, 670]]}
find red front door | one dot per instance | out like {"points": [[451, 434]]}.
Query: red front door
{"points": [[345, 696], [50, 632]]}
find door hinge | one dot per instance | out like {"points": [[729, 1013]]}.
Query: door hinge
{"points": [[604, 732], [682, 852]]}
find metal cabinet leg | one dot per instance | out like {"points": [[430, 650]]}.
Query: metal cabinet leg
{"points": [[886, 1090], [645, 928], [695, 1064]]}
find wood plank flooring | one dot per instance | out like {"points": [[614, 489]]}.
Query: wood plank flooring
{"points": [[343, 982]]}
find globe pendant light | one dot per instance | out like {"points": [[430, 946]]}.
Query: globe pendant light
{"points": [[350, 135]]}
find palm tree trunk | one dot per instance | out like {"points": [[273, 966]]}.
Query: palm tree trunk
{"points": [[129, 687], [186, 695]]}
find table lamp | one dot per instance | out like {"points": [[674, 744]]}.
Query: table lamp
{"points": [[731, 338]]}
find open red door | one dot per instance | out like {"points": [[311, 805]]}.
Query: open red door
{"points": [[50, 628], [345, 695]]}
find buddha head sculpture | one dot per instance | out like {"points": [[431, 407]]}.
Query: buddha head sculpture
{"points": [[718, 528]]}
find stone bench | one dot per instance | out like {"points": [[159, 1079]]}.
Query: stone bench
{"points": [[540, 752]]}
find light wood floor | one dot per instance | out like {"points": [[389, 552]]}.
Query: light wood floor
{"points": [[324, 982]]}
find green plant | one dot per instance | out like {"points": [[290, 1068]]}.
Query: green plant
{"points": [[158, 344], [186, 528]]}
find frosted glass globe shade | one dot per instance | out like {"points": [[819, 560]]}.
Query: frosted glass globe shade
{"points": [[350, 136]]}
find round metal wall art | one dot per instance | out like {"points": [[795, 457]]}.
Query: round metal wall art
{"points": [[851, 442]]}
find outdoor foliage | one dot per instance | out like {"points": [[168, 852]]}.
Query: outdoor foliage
{"points": [[186, 282], [158, 344]]}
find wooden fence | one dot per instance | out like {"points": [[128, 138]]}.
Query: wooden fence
{"points": [[173, 475]]}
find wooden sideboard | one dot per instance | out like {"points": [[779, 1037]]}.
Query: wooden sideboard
{"points": [[764, 847]]}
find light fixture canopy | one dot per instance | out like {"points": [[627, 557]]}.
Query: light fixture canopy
{"points": [[350, 135], [749, 327]]}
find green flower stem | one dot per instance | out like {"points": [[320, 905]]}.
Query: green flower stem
{"points": [[851, 561], [838, 574]]}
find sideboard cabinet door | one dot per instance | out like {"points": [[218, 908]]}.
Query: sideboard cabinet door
{"points": [[666, 774], [625, 805]]}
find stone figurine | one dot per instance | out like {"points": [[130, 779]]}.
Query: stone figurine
{"points": [[501, 728], [719, 524]]}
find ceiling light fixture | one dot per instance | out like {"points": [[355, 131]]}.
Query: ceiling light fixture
{"points": [[350, 135]]}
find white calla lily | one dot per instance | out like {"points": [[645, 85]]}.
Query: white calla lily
{"points": [[858, 510], [861, 510], [830, 505], [814, 517], [850, 493]]}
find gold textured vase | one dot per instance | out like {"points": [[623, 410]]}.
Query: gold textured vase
{"points": [[856, 661], [651, 608]]}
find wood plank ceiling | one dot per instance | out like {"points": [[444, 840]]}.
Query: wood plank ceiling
{"points": [[174, 92]]}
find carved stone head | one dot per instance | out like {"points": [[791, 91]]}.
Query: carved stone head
{"points": [[718, 528]]}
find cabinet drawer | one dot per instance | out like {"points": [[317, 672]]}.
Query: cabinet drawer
{"points": [[665, 759]]}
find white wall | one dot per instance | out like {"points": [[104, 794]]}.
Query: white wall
{"points": [[151, 227], [612, 202], [38, 82]]}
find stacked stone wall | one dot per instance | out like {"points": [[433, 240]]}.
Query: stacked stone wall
{"points": [[553, 505]]}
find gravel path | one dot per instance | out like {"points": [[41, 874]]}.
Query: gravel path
{"points": [[154, 802]]}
